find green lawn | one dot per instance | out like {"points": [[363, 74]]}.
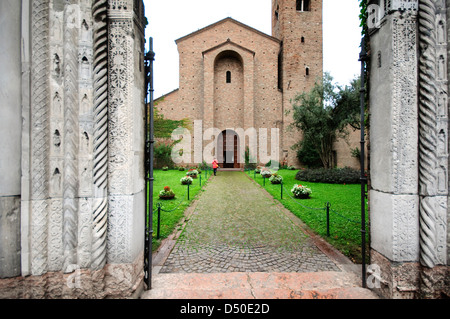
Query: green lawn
{"points": [[345, 210], [172, 210]]}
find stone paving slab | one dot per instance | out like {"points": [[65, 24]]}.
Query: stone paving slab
{"points": [[236, 227], [316, 285]]}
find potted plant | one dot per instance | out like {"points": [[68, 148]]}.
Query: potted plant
{"points": [[192, 173], [275, 178], [301, 191], [265, 173], [258, 169], [166, 193], [186, 180]]}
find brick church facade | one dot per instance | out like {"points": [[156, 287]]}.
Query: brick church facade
{"points": [[236, 84]]}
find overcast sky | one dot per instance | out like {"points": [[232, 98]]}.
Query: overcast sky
{"points": [[173, 19]]}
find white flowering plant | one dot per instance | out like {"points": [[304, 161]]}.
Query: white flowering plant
{"points": [[300, 190], [266, 173], [275, 178], [186, 180], [192, 172], [166, 192]]}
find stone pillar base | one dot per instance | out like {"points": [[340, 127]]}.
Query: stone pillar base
{"points": [[113, 281], [408, 280]]}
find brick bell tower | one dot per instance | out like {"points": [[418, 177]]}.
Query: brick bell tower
{"points": [[298, 24]]}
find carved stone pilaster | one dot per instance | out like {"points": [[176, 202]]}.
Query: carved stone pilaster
{"points": [[71, 136], [40, 137], [433, 134], [125, 138]]}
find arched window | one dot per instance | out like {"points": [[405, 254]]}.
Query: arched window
{"points": [[303, 5], [307, 70], [228, 76]]}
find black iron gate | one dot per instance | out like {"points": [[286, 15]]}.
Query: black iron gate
{"points": [[149, 141]]}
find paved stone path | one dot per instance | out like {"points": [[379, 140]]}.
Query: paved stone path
{"points": [[236, 227]]}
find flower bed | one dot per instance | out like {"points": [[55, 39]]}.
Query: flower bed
{"points": [[166, 193], [186, 180], [301, 191]]}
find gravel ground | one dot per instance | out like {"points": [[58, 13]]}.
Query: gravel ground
{"points": [[236, 227]]}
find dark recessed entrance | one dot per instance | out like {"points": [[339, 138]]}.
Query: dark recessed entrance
{"points": [[229, 150]]}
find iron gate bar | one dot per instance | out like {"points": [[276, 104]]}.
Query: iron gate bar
{"points": [[363, 58], [149, 141]]}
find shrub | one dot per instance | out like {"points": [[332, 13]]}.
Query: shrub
{"points": [[203, 166], [345, 175], [165, 168], [181, 168], [163, 155]]}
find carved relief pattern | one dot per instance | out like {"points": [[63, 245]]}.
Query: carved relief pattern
{"points": [[55, 235], [71, 136], [445, 104], [100, 211], [404, 140], [442, 128], [404, 97], [119, 118], [39, 136], [432, 138], [119, 229], [405, 230], [120, 77]]}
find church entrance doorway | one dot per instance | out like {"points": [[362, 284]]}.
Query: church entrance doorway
{"points": [[229, 152]]}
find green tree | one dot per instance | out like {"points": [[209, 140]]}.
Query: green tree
{"points": [[322, 115]]}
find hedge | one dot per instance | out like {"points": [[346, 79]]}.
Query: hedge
{"points": [[345, 175]]}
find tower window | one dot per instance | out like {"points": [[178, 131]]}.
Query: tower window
{"points": [[228, 76], [307, 71], [303, 39], [303, 5]]}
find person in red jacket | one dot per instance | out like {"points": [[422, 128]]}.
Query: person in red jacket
{"points": [[215, 165]]}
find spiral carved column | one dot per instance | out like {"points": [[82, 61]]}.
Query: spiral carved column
{"points": [[100, 209], [427, 133]]}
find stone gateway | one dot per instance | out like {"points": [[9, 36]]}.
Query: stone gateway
{"points": [[72, 187]]}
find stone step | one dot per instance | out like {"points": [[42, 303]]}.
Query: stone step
{"points": [[316, 285]]}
